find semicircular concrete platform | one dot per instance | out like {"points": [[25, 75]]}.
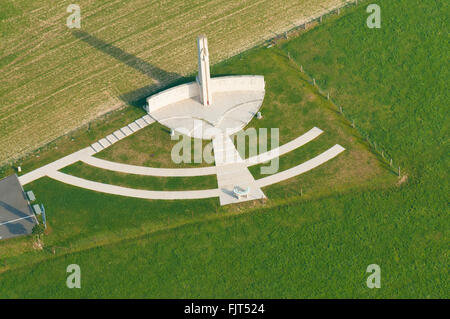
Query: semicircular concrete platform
{"points": [[237, 99]]}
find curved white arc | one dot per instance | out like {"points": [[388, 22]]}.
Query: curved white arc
{"points": [[194, 194], [200, 171], [302, 168], [131, 192], [148, 171], [285, 148]]}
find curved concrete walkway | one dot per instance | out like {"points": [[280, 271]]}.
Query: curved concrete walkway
{"points": [[131, 192], [86, 155], [197, 194], [200, 171], [302, 168], [148, 171], [285, 148]]}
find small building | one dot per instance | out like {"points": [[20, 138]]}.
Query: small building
{"points": [[16, 215]]}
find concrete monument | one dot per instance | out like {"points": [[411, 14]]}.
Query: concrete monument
{"points": [[209, 106], [204, 77]]}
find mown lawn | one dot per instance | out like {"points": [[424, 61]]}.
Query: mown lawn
{"points": [[152, 147], [313, 249], [86, 171], [80, 218], [393, 82]]}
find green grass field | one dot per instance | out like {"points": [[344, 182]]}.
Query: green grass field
{"points": [[140, 182], [150, 147], [392, 82]]}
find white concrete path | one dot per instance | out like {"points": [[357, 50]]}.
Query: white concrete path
{"points": [[56, 165], [230, 168], [302, 168], [148, 171], [201, 171], [197, 194], [86, 152], [285, 148], [233, 172], [131, 192], [125, 131]]}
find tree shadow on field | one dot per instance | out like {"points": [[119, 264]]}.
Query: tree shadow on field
{"points": [[136, 98]]}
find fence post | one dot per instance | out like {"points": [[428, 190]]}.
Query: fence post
{"points": [[399, 171], [314, 82], [390, 163], [301, 68], [353, 123], [328, 95]]}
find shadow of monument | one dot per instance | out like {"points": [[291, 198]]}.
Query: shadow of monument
{"points": [[137, 97]]}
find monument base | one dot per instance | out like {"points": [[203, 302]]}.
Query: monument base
{"points": [[237, 99]]}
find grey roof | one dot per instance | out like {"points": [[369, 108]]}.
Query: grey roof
{"points": [[16, 216]]}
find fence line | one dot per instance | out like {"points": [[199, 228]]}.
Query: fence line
{"points": [[376, 148], [302, 24], [326, 94]]}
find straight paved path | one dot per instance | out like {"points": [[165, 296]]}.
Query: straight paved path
{"points": [[56, 165], [233, 172], [86, 152]]}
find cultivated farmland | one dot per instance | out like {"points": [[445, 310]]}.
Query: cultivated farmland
{"points": [[55, 79]]}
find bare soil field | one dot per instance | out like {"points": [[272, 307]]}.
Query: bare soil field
{"points": [[55, 79]]}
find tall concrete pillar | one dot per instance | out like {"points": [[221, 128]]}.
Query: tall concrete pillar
{"points": [[204, 77]]}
